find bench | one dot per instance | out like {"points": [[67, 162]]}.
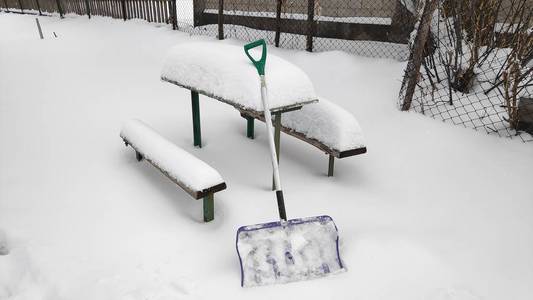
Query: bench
{"points": [[194, 176], [324, 125]]}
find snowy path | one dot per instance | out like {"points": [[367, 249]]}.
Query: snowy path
{"points": [[432, 211]]}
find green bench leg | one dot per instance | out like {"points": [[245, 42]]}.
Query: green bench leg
{"points": [[331, 165], [277, 130], [209, 208], [197, 133], [250, 127]]}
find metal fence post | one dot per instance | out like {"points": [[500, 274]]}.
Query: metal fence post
{"points": [[59, 9], [220, 19], [310, 24], [21, 8], [123, 6], [88, 8], [174, 14], [278, 23], [39, 7]]}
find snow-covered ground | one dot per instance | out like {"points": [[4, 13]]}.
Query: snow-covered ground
{"points": [[433, 211]]}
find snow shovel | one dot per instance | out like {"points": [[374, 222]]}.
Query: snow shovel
{"points": [[286, 250]]}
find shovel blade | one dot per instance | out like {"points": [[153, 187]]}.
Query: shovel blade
{"points": [[295, 250]]}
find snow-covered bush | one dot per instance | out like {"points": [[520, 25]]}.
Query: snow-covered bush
{"points": [[477, 64]]}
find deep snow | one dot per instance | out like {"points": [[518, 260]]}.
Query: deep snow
{"points": [[432, 211]]}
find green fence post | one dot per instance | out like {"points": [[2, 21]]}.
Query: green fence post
{"points": [[209, 208], [197, 133]]}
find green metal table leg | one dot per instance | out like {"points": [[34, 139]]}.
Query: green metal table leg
{"points": [[197, 133], [331, 165], [277, 130], [209, 208], [250, 127]]}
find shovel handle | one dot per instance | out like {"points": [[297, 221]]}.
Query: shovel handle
{"points": [[259, 64]]}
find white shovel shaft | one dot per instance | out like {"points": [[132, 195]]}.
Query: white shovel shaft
{"points": [[270, 133]]}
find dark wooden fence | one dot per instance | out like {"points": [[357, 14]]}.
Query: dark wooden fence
{"points": [[159, 11], [264, 15]]}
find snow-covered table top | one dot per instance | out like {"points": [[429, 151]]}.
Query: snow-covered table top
{"points": [[223, 72]]}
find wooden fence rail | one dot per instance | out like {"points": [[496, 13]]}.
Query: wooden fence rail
{"points": [[159, 11]]}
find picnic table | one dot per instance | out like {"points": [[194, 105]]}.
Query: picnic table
{"points": [[222, 71]]}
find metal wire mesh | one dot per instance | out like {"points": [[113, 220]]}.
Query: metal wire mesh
{"points": [[477, 69], [377, 28], [376, 15]]}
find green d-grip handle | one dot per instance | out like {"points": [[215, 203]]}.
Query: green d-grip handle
{"points": [[259, 64]]}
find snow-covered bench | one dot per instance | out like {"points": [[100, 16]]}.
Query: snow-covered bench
{"points": [[194, 176], [324, 125]]}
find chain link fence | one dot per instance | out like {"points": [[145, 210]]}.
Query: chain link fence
{"points": [[474, 67], [470, 62], [375, 28]]}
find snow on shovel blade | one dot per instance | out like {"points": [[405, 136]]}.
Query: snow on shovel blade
{"points": [[299, 249]]}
